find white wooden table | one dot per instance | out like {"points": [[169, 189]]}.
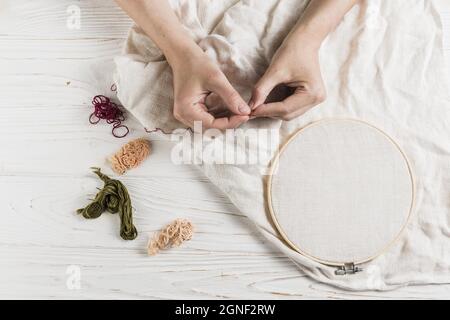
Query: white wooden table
{"points": [[46, 149]]}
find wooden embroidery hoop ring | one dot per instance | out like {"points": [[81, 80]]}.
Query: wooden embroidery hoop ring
{"points": [[275, 163]]}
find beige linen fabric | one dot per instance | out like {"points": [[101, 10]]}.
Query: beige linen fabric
{"points": [[384, 64]]}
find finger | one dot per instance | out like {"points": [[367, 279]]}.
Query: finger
{"points": [[209, 122], [291, 107], [227, 122], [200, 113], [269, 110], [262, 90], [230, 96]]}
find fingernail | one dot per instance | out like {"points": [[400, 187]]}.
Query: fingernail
{"points": [[251, 104], [252, 117], [244, 109]]}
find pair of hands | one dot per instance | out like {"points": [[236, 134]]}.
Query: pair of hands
{"points": [[203, 93]]}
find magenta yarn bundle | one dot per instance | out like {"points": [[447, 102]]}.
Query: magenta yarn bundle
{"points": [[107, 110]]}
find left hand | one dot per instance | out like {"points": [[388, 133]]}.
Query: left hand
{"points": [[298, 68], [196, 78]]}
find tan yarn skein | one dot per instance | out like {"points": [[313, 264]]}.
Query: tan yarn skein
{"points": [[173, 235], [130, 155]]}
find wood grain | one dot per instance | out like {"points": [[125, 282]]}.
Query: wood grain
{"points": [[47, 146]]}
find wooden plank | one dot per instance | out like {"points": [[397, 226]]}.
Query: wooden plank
{"points": [[47, 19]]}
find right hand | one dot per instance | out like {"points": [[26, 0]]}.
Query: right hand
{"points": [[296, 67], [196, 77]]}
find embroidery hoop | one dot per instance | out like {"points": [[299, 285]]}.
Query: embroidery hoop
{"points": [[288, 236]]}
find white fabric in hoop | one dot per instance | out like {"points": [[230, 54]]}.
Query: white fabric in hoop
{"points": [[341, 191]]}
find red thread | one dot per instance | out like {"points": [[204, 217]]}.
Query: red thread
{"points": [[105, 109], [164, 132]]}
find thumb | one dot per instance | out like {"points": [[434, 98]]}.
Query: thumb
{"points": [[230, 97], [262, 90]]}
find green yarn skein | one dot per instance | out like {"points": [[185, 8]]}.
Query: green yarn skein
{"points": [[113, 198]]}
